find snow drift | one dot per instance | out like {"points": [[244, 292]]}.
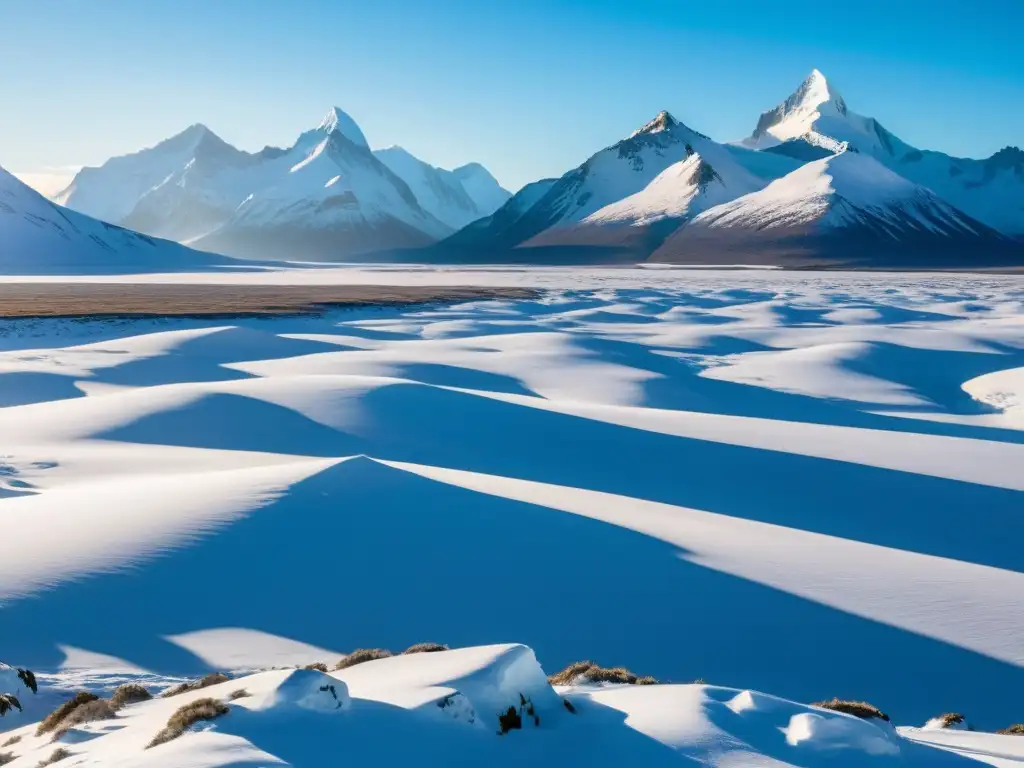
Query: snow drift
{"points": [[445, 709], [534, 469]]}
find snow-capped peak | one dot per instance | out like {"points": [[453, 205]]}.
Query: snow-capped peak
{"points": [[663, 121], [337, 120], [817, 90], [815, 93], [797, 115]]}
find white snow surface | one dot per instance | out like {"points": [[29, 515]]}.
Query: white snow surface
{"points": [[442, 709], [776, 481], [1002, 390]]}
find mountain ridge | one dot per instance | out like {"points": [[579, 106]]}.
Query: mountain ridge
{"points": [[815, 114], [197, 189]]}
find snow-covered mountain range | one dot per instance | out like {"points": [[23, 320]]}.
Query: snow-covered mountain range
{"points": [[39, 237], [846, 208], [814, 183], [812, 168], [623, 198], [815, 121], [327, 196]]}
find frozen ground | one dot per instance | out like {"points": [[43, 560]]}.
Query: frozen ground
{"points": [[806, 484]]}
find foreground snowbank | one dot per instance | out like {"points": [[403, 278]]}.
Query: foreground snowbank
{"points": [[443, 708]]}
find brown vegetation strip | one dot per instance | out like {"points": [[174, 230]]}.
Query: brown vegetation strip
{"points": [[177, 300]]}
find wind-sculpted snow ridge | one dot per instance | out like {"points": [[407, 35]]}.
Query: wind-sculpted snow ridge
{"points": [[802, 483], [490, 705]]}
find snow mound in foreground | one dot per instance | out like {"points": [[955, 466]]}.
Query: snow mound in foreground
{"points": [[487, 705], [1002, 390]]}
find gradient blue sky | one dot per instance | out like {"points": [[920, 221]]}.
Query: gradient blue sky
{"points": [[530, 88]]}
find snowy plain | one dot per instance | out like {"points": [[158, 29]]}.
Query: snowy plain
{"points": [[807, 484]]}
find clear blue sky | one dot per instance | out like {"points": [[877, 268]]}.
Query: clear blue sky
{"points": [[530, 88]]}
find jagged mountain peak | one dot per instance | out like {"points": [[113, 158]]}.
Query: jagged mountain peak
{"points": [[193, 136], [663, 121], [816, 92], [338, 121], [470, 169], [813, 100]]}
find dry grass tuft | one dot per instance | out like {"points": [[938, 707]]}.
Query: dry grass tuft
{"points": [[950, 718], [167, 300], [589, 672], [241, 693], [319, 667], [361, 655], [129, 693], [89, 712], [58, 754], [6, 757], [1013, 730], [188, 715], [425, 648], [52, 720], [11, 741], [860, 709], [194, 685]]}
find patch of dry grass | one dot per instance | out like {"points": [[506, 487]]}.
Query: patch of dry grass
{"points": [[173, 300], [425, 648], [241, 693], [859, 709], [318, 666], [11, 741], [589, 672], [1013, 730], [129, 693], [89, 712], [361, 655], [215, 678], [52, 720], [950, 718], [6, 757], [58, 754], [187, 716]]}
